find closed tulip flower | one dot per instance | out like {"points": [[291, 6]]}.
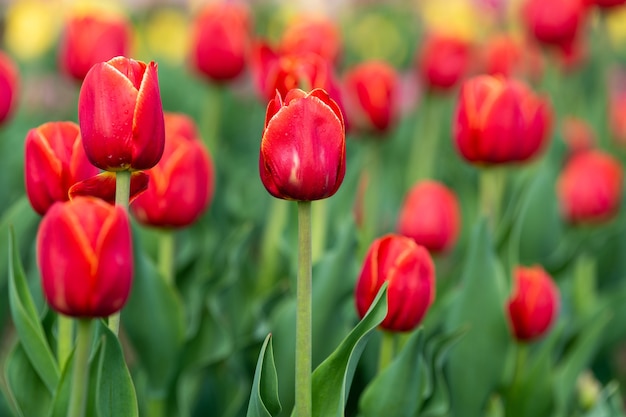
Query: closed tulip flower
{"points": [[590, 187], [121, 115], [499, 121], [410, 273], [77, 52], [220, 40], [534, 304], [9, 86], [303, 148], [315, 34], [54, 161], [84, 254], [443, 60], [181, 184], [431, 216], [557, 23]]}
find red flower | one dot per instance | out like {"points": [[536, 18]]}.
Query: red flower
{"points": [[371, 95], [590, 187], [220, 40], [410, 273], [9, 86], [54, 161], [443, 60], [84, 253], [303, 149], [121, 116], [315, 34], [431, 216], [607, 4], [509, 57], [555, 23], [499, 121], [534, 304], [90, 39], [181, 184]]}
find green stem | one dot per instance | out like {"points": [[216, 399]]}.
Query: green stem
{"points": [[584, 283], [304, 312], [388, 348], [211, 117], [490, 188], [65, 338], [425, 142], [166, 255], [80, 376], [156, 406], [319, 229], [372, 198], [521, 354]]}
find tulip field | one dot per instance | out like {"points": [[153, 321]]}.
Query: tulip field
{"points": [[314, 208]]}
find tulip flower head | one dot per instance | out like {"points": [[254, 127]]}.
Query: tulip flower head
{"points": [[557, 23], [84, 253], [121, 116], [9, 86], [443, 60], [303, 148], [55, 160], [499, 121], [534, 304], [410, 273], [315, 34]]}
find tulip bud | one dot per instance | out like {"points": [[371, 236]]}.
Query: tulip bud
{"points": [[430, 215], [371, 95], [314, 34], [181, 184], [84, 254], [121, 116], [534, 304], [9, 85], [499, 121], [220, 40], [590, 187], [303, 149], [556, 23], [77, 54], [54, 161], [443, 61], [410, 273]]}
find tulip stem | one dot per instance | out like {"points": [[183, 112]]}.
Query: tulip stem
{"points": [[491, 187], [80, 374], [166, 256], [65, 336], [388, 348], [303, 401]]}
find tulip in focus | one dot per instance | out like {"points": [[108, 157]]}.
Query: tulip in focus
{"points": [[90, 39], [54, 161], [303, 148], [443, 60], [315, 34], [181, 184], [220, 40], [121, 115], [590, 187], [500, 121], [84, 253], [555, 23], [410, 273], [9, 86], [534, 304], [430, 216]]}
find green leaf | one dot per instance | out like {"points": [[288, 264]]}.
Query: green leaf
{"points": [[476, 364], [26, 319], [28, 392], [333, 377], [396, 390], [115, 394], [264, 401]]}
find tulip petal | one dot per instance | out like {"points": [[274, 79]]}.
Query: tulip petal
{"points": [[102, 186]]}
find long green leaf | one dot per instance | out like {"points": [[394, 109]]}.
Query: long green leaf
{"points": [[264, 401]]}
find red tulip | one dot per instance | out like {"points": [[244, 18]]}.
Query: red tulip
{"points": [[431, 216], [121, 116], [84, 253], [590, 187], [607, 4], [181, 184], [9, 86], [509, 57], [556, 23], [90, 39], [500, 121], [410, 273], [443, 60], [534, 304], [617, 111], [315, 34], [220, 40], [303, 149], [371, 95], [55, 160]]}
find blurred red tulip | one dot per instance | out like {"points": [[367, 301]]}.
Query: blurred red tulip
{"points": [[607, 4], [220, 40], [181, 184], [510, 57], [303, 149], [315, 34], [410, 273], [500, 121], [556, 23], [54, 161], [617, 113], [90, 39], [443, 60], [590, 187], [121, 116], [84, 253], [9, 86], [534, 304], [431, 216]]}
